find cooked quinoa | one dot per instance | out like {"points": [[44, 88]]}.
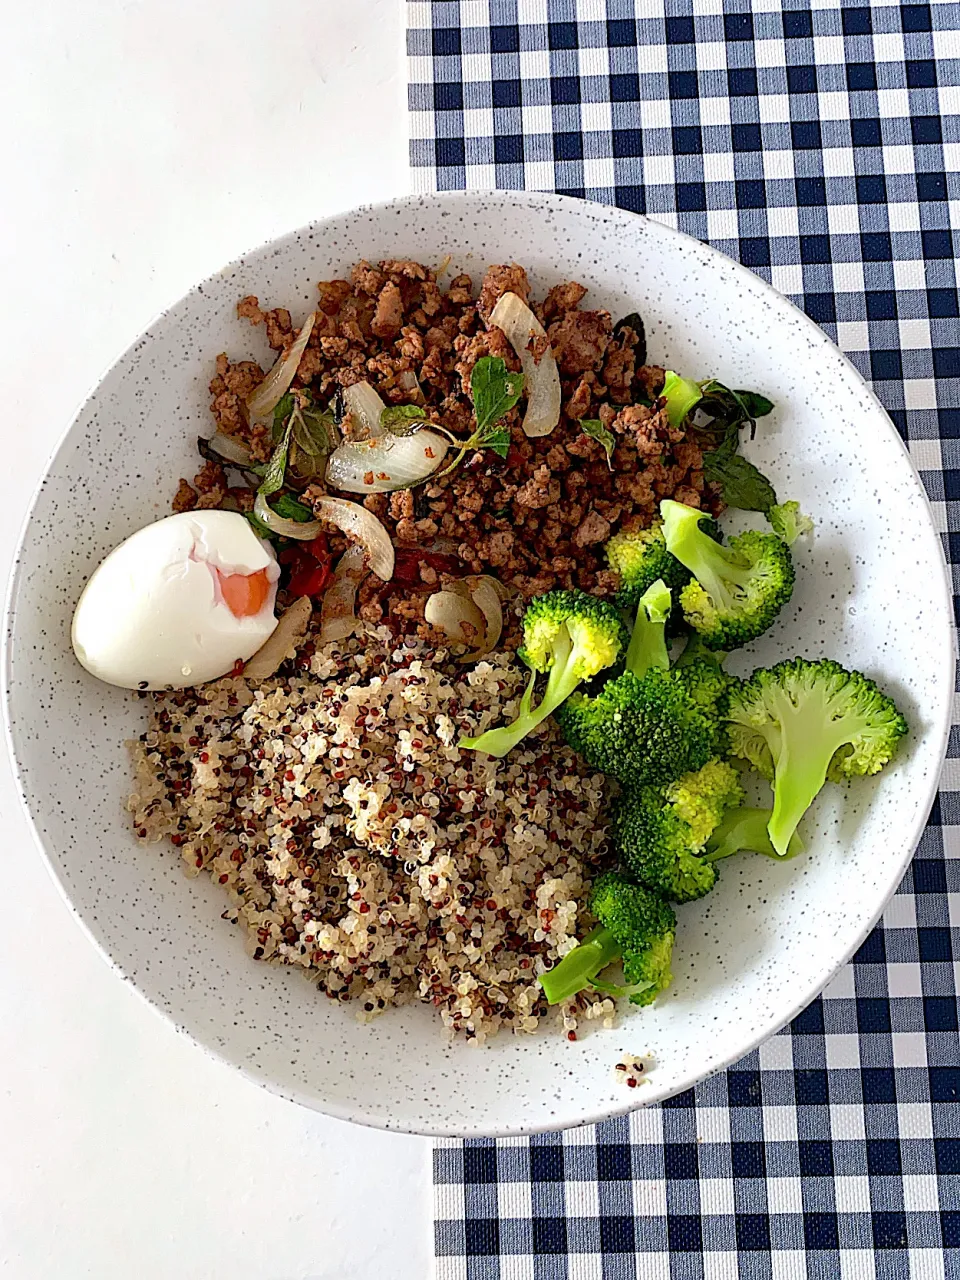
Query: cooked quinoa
{"points": [[355, 841]]}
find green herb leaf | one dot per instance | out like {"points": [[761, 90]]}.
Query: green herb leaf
{"points": [[259, 528], [402, 419], [595, 429], [741, 484], [754, 404], [291, 509], [635, 322], [314, 431], [494, 390], [277, 466], [281, 413], [496, 437]]}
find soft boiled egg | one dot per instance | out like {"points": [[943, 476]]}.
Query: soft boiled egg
{"points": [[179, 603]]}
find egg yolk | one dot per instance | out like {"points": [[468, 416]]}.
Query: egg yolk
{"points": [[244, 594]]}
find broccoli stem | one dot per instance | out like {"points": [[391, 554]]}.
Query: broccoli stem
{"points": [[580, 966], [648, 644], [808, 739], [681, 395], [561, 682], [714, 567], [746, 829]]}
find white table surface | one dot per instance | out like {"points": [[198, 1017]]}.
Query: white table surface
{"points": [[145, 143]]}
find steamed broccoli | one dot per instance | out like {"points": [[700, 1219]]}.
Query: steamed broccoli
{"points": [[737, 590], [681, 396], [800, 723], [788, 522], [644, 727], [641, 558], [571, 636], [746, 829], [658, 834], [648, 645], [700, 672], [635, 926]]}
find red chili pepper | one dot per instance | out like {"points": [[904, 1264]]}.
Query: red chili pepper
{"points": [[309, 565], [406, 570]]}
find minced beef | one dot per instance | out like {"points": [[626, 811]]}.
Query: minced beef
{"points": [[536, 519]]}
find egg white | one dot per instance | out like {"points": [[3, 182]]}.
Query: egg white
{"points": [[152, 615]]}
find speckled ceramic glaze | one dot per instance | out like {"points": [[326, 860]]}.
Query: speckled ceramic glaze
{"points": [[871, 591]]}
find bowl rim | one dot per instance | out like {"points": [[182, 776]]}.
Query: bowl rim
{"points": [[357, 1114]]}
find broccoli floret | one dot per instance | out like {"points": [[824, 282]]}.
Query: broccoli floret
{"points": [[641, 558], [644, 727], [571, 636], [659, 833], [800, 723], [746, 829], [635, 927], [700, 671], [788, 522], [640, 730], [737, 590], [681, 396]]}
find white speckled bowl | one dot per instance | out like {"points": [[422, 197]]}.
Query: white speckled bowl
{"points": [[871, 591]]}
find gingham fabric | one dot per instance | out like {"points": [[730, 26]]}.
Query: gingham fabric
{"points": [[819, 145]]}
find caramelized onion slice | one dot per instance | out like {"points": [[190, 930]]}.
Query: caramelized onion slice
{"points": [[290, 629], [263, 399], [357, 522], [456, 616], [541, 380], [338, 617], [365, 407]]}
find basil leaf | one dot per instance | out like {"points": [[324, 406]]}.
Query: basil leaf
{"points": [[754, 404], [496, 437], [281, 413], [634, 321], [314, 431], [595, 429], [291, 509], [259, 528], [494, 390], [402, 419], [277, 466], [741, 484]]}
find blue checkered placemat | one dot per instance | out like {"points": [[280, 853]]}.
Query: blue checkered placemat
{"points": [[819, 145]]}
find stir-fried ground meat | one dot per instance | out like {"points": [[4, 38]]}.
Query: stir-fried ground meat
{"points": [[536, 519]]}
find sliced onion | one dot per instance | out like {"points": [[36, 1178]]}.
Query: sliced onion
{"points": [[486, 593], [459, 619], [282, 644], [410, 382], [488, 602], [357, 522], [388, 463], [303, 531], [365, 407], [541, 382], [262, 401], [231, 449], [337, 612]]}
